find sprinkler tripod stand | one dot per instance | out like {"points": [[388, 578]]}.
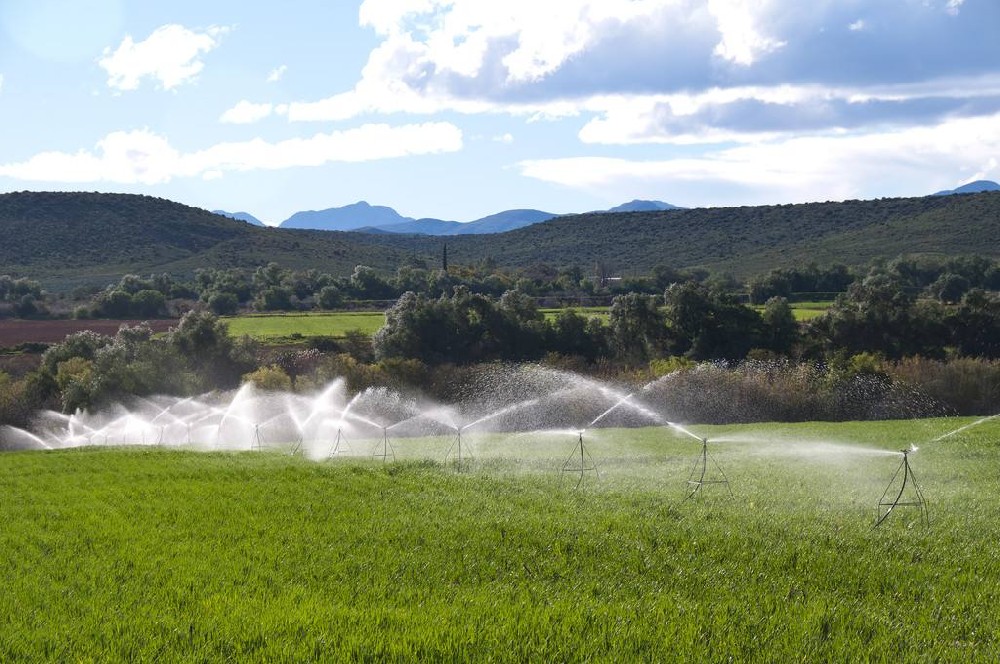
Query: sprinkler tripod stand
{"points": [[697, 480], [339, 444], [383, 449], [916, 499], [455, 450], [256, 443], [585, 462]]}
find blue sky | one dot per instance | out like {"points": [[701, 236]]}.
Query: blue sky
{"points": [[460, 108]]}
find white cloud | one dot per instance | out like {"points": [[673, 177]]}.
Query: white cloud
{"points": [[141, 156], [986, 171], [1, 82], [796, 169], [465, 55], [741, 39], [171, 56], [696, 118], [277, 73], [246, 112], [552, 60], [953, 6]]}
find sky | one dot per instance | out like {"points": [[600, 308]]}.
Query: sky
{"points": [[456, 109]]}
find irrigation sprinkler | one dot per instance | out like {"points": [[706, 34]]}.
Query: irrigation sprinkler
{"points": [[913, 498], [580, 461], [455, 449], [256, 442], [383, 449], [339, 444], [699, 476]]}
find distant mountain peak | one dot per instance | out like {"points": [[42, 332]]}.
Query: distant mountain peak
{"points": [[241, 216], [971, 188], [638, 205], [347, 218]]}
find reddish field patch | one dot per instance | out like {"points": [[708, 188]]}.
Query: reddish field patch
{"points": [[14, 331]]}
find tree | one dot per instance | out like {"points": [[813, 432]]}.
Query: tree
{"points": [[705, 324], [204, 341], [637, 327], [148, 304], [223, 304], [780, 329], [950, 287]]}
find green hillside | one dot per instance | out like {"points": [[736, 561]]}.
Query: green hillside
{"points": [[749, 240], [65, 239], [70, 238]]}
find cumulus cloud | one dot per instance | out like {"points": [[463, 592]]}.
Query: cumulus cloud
{"points": [[144, 157], [554, 60], [795, 169], [171, 56], [754, 113], [741, 40], [246, 112]]}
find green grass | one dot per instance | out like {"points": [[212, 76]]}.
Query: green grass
{"points": [[282, 327], [586, 312], [152, 554], [292, 327], [804, 311]]}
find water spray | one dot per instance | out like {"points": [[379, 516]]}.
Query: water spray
{"points": [[699, 477], [580, 461], [892, 499]]}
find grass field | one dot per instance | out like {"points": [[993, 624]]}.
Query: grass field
{"points": [[277, 327], [804, 311], [151, 554], [292, 327]]}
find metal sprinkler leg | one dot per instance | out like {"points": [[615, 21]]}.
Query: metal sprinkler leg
{"points": [[585, 460], [700, 469], [386, 453], [889, 504], [456, 447], [338, 443]]}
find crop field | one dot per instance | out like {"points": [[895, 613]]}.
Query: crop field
{"points": [[277, 327], [291, 327], [161, 554], [14, 331]]}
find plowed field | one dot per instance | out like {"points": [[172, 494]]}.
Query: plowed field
{"points": [[14, 331]]}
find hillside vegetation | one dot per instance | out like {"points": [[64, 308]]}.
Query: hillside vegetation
{"points": [[65, 239]]}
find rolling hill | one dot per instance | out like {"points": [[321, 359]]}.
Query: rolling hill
{"points": [[69, 239]]}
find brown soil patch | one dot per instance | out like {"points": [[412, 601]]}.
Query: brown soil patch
{"points": [[15, 331]]}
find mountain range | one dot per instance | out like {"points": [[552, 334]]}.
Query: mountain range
{"points": [[366, 218], [72, 239]]}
